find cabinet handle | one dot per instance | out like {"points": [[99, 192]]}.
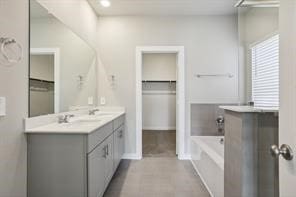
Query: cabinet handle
{"points": [[120, 134], [107, 149], [105, 152]]}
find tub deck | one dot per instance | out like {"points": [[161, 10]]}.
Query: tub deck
{"points": [[207, 157]]}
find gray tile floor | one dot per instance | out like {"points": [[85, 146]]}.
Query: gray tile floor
{"points": [[156, 177], [159, 143]]}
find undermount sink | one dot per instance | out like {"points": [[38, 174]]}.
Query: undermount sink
{"points": [[94, 118], [99, 116], [90, 119], [104, 113], [87, 120], [82, 122]]}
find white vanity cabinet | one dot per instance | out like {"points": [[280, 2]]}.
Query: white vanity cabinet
{"points": [[62, 164]]}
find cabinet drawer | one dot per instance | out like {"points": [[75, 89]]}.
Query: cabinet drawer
{"points": [[118, 122], [99, 136]]}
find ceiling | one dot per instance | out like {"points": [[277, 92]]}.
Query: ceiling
{"points": [[166, 7], [37, 11]]}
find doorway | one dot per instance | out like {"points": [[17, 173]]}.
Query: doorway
{"points": [[179, 91], [159, 104], [44, 81]]}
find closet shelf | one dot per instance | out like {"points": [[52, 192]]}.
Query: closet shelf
{"points": [[159, 92], [37, 89], [41, 80], [159, 81]]}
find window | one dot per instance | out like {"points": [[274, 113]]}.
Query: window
{"points": [[265, 73]]}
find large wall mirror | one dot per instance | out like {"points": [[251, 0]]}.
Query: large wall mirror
{"points": [[62, 66]]}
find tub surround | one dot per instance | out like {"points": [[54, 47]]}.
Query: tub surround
{"points": [[207, 157], [203, 119], [249, 168]]}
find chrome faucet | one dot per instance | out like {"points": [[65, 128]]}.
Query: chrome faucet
{"points": [[65, 118], [220, 123], [92, 111]]}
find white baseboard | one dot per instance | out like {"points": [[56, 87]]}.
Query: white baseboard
{"points": [[159, 128], [134, 156], [184, 157], [131, 156]]}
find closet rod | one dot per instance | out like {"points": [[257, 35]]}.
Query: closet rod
{"points": [[41, 80], [152, 81]]}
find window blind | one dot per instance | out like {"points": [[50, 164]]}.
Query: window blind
{"points": [[265, 73]]}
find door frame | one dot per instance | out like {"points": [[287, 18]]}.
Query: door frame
{"points": [[180, 96], [56, 53]]}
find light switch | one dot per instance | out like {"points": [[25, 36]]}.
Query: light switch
{"points": [[2, 106], [103, 101], [90, 100]]}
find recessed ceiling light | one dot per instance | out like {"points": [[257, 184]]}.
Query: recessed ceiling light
{"points": [[105, 3]]}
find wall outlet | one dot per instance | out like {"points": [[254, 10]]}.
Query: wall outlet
{"points": [[103, 100], [2, 106], [90, 100]]}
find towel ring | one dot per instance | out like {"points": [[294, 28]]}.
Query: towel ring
{"points": [[11, 51]]}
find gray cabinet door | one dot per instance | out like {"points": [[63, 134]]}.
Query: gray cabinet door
{"points": [[109, 160], [118, 145], [116, 148], [96, 171], [121, 142]]}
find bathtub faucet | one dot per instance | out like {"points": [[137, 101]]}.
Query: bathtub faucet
{"points": [[220, 123]]}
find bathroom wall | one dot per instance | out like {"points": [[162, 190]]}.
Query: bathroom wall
{"points": [[42, 67], [211, 45], [255, 24], [14, 17], [160, 66], [203, 119]]}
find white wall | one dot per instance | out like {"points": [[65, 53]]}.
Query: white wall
{"points": [[42, 67], [159, 66], [14, 86], [159, 112], [255, 24], [211, 46]]}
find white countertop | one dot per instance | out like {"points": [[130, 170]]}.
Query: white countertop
{"points": [[249, 109], [80, 124]]}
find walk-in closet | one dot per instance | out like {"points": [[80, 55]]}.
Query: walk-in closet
{"points": [[41, 84], [159, 104]]}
